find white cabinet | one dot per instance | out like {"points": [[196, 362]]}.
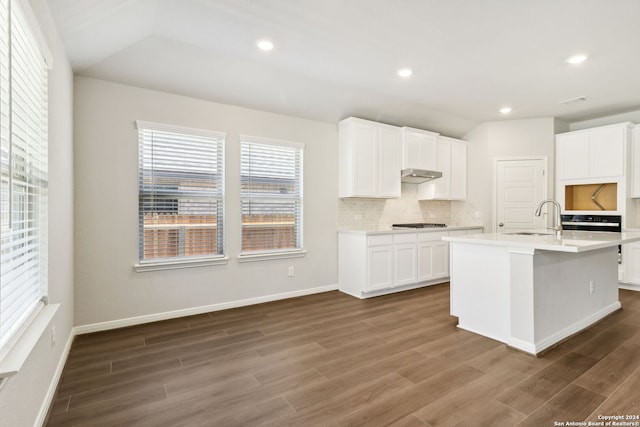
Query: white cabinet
{"points": [[572, 155], [631, 257], [380, 267], [458, 180], [635, 162], [368, 159], [406, 259], [418, 149], [451, 160], [591, 153], [433, 255], [374, 264]]}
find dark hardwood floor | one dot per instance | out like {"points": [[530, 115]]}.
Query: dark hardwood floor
{"points": [[333, 360]]}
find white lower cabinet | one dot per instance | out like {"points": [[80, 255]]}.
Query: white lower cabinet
{"points": [[380, 267], [369, 265], [433, 254], [406, 258], [631, 254]]}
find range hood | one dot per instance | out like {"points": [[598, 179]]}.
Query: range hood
{"points": [[418, 176]]}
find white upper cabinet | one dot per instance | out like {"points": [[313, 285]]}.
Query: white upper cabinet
{"points": [[458, 179], [572, 155], [451, 160], [369, 159], [592, 153], [418, 149], [635, 162]]}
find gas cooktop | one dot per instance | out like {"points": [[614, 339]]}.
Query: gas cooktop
{"points": [[420, 225]]}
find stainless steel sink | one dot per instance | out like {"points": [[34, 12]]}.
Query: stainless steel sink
{"points": [[529, 233]]}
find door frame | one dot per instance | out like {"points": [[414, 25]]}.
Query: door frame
{"points": [[545, 182]]}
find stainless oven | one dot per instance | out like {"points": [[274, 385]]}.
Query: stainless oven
{"points": [[612, 223]]}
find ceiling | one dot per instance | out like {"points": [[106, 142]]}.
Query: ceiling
{"points": [[338, 58]]}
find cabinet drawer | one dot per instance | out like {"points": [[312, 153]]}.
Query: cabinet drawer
{"points": [[457, 232], [405, 238], [383, 239], [428, 237]]}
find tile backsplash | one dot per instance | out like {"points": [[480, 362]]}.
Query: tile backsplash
{"points": [[377, 214]]}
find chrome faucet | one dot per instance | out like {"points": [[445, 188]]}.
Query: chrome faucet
{"points": [[558, 227]]}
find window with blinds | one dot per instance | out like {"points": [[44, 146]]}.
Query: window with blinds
{"points": [[23, 172], [271, 195], [181, 193]]}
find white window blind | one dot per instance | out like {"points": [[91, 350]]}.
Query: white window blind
{"points": [[23, 171], [181, 193], [271, 195]]}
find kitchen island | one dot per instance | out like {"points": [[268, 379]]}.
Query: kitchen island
{"points": [[532, 290]]}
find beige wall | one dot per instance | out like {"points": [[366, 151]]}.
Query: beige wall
{"points": [[23, 399], [106, 225]]}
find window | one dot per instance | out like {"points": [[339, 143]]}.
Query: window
{"points": [[181, 196], [23, 173], [271, 195]]}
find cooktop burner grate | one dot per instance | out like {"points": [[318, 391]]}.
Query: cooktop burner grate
{"points": [[420, 225]]}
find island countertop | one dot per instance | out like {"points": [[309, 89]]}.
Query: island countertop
{"points": [[571, 241]]}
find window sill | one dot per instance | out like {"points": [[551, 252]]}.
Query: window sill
{"points": [[266, 256], [173, 265], [13, 360]]}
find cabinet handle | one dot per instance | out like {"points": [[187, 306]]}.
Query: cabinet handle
{"points": [[501, 224]]}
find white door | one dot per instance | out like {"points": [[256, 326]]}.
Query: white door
{"points": [[520, 186]]}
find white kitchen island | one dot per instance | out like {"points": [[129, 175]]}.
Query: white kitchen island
{"points": [[532, 291]]}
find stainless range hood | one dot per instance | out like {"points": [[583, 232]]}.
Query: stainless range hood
{"points": [[418, 176]]}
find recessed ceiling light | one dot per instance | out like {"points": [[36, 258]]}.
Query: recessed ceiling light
{"points": [[577, 59], [505, 110], [265, 45], [405, 72]]}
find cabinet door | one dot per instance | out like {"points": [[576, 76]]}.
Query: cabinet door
{"points": [[442, 186], [440, 259], [572, 155], [405, 263], [365, 159], [418, 149], [425, 261], [432, 255], [631, 254], [380, 267], [635, 162], [606, 152], [389, 162], [458, 170]]}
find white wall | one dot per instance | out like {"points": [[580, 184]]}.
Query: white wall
{"points": [[23, 396], [509, 138], [631, 116], [106, 217]]}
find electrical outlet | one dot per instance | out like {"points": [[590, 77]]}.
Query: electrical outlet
{"points": [[53, 336], [592, 286], [291, 272]]}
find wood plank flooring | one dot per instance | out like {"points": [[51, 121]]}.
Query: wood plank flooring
{"points": [[333, 360]]}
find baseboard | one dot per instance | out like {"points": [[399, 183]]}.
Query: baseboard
{"points": [[387, 291], [131, 321], [53, 386], [629, 287], [576, 327]]}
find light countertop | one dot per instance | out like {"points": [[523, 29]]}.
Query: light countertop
{"points": [[413, 230], [571, 241]]}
